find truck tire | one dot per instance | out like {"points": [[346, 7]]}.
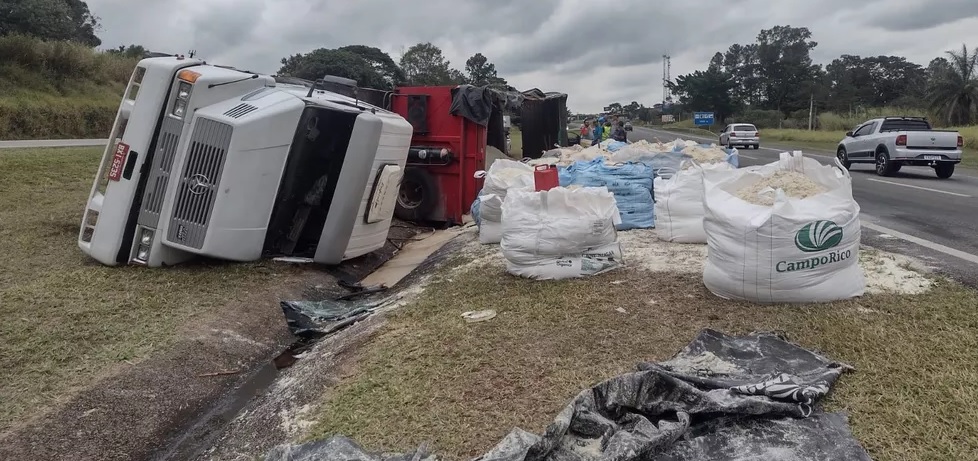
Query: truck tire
{"points": [[843, 157], [944, 170], [417, 197], [884, 167]]}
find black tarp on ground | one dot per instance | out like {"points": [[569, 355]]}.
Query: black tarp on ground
{"points": [[316, 319], [721, 398]]}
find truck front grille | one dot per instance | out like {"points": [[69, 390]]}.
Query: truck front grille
{"points": [[159, 174], [199, 182]]}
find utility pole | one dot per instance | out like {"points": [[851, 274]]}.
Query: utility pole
{"points": [[811, 111]]}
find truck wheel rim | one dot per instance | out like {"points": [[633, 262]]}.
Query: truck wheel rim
{"points": [[410, 195]]}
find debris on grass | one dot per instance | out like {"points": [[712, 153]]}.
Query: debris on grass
{"points": [[704, 362], [885, 272], [644, 250], [892, 273], [478, 316]]}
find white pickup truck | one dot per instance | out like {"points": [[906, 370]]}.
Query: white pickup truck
{"points": [[892, 142]]}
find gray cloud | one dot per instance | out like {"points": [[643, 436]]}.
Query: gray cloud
{"points": [[920, 16], [597, 52]]}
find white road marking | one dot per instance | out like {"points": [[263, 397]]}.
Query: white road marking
{"points": [[747, 156], [919, 241], [918, 187]]}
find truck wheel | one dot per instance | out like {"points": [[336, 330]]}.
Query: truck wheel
{"points": [[944, 170], [884, 167], [417, 197], [843, 157]]}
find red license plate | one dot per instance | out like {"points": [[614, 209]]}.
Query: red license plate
{"points": [[118, 161]]}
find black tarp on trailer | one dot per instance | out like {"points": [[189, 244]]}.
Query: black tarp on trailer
{"points": [[543, 122]]}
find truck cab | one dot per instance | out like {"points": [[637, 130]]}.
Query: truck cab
{"points": [[212, 161], [890, 143]]}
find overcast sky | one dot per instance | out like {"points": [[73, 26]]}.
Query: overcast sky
{"points": [[598, 52]]}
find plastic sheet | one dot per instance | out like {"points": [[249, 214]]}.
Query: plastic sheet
{"points": [[721, 398], [315, 319]]}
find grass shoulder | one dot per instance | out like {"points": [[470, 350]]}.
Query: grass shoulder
{"points": [[464, 386], [68, 320]]}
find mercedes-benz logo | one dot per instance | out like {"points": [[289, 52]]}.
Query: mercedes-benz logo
{"points": [[198, 184]]}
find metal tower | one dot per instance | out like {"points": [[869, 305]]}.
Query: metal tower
{"points": [[666, 69]]}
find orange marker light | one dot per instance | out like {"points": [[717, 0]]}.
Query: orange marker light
{"points": [[188, 76]]}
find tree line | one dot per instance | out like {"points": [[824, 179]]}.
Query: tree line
{"points": [[68, 20], [776, 74], [422, 64]]}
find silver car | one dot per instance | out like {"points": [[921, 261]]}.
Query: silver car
{"points": [[740, 134]]}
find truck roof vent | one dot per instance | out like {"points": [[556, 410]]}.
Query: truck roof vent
{"points": [[240, 110]]}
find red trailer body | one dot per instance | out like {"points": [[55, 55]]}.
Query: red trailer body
{"points": [[446, 150]]}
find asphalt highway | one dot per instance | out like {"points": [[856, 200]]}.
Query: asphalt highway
{"points": [[914, 212]]}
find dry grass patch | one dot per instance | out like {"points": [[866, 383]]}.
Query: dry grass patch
{"points": [[432, 377], [66, 319]]}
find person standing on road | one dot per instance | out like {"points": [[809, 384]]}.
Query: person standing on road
{"points": [[597, 132], [620, 134], [586, 129]]}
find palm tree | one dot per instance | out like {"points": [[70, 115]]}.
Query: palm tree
{"points": [[953, 93]]}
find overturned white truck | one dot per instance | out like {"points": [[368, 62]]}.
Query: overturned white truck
{"points": [[213, 161]]}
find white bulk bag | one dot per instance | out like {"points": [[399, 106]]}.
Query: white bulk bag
{"points": [[503, 175], [798, 250], [560, 233], [679, 204]]}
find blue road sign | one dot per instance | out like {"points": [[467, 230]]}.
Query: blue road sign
{"points": [[702, 118]]}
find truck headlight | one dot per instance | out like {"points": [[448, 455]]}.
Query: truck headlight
{"points": [[146, 237], [183, 92], [181, 99], [179, 108]]}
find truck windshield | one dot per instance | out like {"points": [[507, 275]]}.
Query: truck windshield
{"points": [[905, 125]]}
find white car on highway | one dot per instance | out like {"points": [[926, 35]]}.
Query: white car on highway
{"points": [[740, 134], [892, 142]]}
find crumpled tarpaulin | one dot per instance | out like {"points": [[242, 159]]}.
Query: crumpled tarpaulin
{"points": [[476, 103], [315, 319], [721, 398]]}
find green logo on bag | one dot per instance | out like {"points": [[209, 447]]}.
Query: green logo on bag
{"points": [[818, 236], [814, 237]]}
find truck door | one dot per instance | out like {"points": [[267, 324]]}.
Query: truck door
{"points": [[861, 146]]}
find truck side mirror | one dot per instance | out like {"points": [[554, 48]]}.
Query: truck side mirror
{"points": [[848, 134]]}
